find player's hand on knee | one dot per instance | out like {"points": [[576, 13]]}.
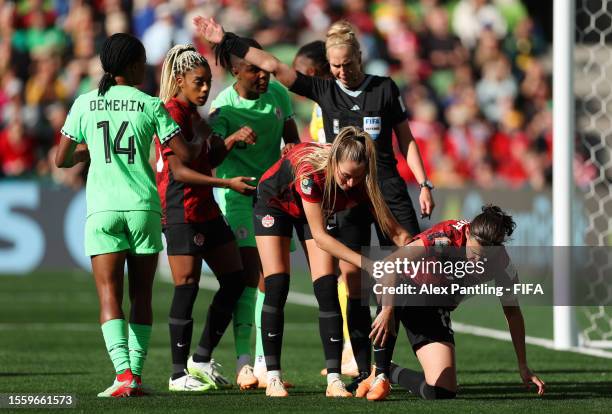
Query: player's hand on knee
{"points": [[529, 378]]}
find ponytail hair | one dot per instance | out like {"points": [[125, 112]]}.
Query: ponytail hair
{"points": [[119, 51], [353, 144], [342, 33], [492, 227], [179, 60]]}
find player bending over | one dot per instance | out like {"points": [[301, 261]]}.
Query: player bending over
{"points": [[302, 190]]}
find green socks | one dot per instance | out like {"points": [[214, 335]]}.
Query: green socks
{"points": [[116, 343], [138, 343], [243, 321], [258, 306]]}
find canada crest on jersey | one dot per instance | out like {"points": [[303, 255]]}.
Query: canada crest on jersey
{"points": [[306, 185]]}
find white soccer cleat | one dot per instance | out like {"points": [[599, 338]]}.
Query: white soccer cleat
{"points": [[246, 379], [208, 372], [276, 388], [188, 383], [337, 389]]}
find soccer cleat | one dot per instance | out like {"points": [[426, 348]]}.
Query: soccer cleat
{"points": [[276, 388], [379, 389], [188, 383], [262, 381], [363, 386], [121, 386], [245, 379], [336, 389], [138, 390], [208, 372]]}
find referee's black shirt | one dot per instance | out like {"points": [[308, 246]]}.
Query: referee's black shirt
{"points": [[376, 106]]}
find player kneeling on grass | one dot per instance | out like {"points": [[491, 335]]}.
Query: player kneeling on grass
{"points": [[114, 127], [429, 327], [303, 189], [193, 224]]}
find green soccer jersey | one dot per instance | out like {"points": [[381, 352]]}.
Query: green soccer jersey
{"points": [[265, 115], [118, 129]]}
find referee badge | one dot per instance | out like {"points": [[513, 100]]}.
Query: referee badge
{"points": [[306, 185], [336, 126], [278, 113], [372, 125], [267, 221]]}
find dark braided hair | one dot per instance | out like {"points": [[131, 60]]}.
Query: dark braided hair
{"points": [[492, 227], [118, 52], [316, 52], [230, 43]]}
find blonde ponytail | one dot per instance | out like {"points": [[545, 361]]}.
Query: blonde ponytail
{"points": [[179, 60]]}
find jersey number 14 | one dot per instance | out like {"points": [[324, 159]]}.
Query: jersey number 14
{"points": [[117, 149]]}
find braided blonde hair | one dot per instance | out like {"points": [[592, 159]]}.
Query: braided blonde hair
{"points": [[179, 60], [352, 144], [342, 33]]}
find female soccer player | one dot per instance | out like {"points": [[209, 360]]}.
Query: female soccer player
{"points": [[118, 122], [302, 190], [356, 99], [193, 224], [265, 107], [311, 60], [429, 328]]}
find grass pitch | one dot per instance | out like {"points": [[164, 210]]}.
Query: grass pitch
{"points": [[51, 343]]}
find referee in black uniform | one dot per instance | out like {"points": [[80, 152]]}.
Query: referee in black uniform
{"points": [[352, 98]]}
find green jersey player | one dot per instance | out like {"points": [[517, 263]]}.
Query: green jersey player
{"points": [[265, 107], [113, 127]]}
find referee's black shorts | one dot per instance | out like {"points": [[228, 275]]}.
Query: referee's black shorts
{"points": [[354, 225]]}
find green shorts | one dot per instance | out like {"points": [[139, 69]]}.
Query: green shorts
{"points": [[138, 232], [239, 214]]}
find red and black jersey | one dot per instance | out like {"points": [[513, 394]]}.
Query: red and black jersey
{"points": [[452, 233], [445, 233], [282, 188], [184, 203]]}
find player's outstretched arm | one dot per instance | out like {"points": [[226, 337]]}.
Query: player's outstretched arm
{"points": [[516, 326], [69, 153], [213, 33], [184, 174]]}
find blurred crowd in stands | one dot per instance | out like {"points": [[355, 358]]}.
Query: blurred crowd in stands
{"points": [[473, 73]]}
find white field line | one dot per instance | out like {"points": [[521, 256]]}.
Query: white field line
{"points": [[297, 298]]}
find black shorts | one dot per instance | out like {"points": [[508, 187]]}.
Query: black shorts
{"points": [[193, 239], [269, 221], [354, 225], [426, 325]]}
